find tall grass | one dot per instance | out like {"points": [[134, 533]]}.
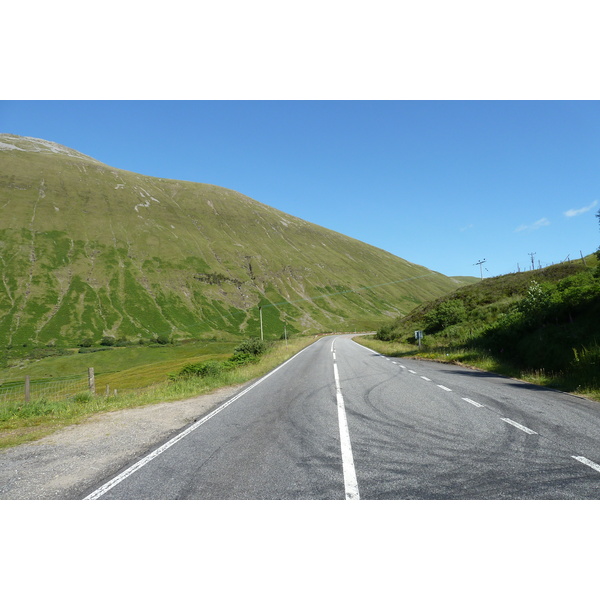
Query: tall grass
{"points": [[21, 422]]}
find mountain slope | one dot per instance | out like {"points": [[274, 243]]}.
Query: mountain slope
{"points": [[88, 250]]}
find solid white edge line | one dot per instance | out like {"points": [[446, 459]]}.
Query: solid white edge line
{"points": [[350, 482], [519, 426], [586, 461], [138, 465]]}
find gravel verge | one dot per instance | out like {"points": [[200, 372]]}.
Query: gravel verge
{"points": [[72, 462]]}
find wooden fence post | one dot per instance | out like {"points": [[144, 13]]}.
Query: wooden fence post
{"points": [[27, 388], [91, 380]]}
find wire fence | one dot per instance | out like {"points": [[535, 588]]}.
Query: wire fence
{"points": [[56, 388]]}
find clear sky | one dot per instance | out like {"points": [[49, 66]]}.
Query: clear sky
{"points": [[444, 184]]}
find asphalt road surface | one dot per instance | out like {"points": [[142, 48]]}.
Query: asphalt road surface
{"points": [[339, 421]]}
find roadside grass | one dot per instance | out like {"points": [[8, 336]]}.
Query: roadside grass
{"points": [[24, 422], [478, 359]]}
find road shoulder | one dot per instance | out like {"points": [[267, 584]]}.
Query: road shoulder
{"points": [[68, 463]]}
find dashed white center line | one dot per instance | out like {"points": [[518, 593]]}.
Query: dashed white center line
{"points": [[519, 426], [352, 488], [586, 461], [473, 402]]}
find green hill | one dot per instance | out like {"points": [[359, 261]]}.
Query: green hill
{"points": [[544, 322], [88, 250]]}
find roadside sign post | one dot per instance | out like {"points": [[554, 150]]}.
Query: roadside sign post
{"points": [[419, 337]]}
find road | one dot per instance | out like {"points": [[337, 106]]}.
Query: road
{"points": [[339, 421]]}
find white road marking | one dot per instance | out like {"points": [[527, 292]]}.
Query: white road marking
{"points": [[473, 402], [519, 426], [411, 371], [144, 461], [350, 482], [444, 388], [425, 378], [586, 461], [402, 367]]}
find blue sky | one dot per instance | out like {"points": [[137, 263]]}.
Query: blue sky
{"points": [[444, 184]]}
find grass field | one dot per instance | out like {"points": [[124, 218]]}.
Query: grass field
{"points": [[22, 422], [124, 368]]}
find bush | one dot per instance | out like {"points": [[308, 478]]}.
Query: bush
{"points": [[386, 333], [107, 340], [86, 343], [242, 358], [252, 346], [447, 313], [162, 340], [209, 368]]}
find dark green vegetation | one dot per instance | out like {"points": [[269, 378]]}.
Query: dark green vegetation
{"points": [[90, 254], [540, 325]]}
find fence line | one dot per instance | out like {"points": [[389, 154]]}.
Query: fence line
{"points": [[57, 388]]}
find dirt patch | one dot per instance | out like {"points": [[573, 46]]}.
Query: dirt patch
{"points": [[72, 462]]}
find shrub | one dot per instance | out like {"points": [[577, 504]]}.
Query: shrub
{"points": [[252, 346], [209, 368], [86, 343], [162, 340], [386, 333], [447, 313], [107, 340], [242, 358]]}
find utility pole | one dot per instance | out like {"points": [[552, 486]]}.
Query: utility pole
{"points": [[261, 324], [480, 267], [532, 254]]}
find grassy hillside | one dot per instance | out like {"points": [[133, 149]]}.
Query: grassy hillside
{"points": [[541, 325], [88, 250]]}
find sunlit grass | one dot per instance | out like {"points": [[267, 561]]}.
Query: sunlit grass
{"points": [[21, 422]]}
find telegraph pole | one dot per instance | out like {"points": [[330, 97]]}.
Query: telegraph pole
{"points": [[480, 263], [261, 323], [532, 254]]}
